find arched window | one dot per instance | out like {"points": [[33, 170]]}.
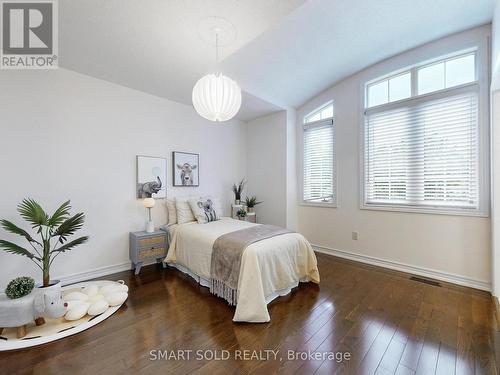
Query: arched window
{"points": [[318, 157]]}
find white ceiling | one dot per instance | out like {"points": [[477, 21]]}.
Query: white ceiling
{"points": [[325, 41], [253, 107], [155, 46], [285, 52]]}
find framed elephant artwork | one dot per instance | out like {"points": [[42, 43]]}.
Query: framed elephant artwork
{"points": [[186, 169], [151, 177]]}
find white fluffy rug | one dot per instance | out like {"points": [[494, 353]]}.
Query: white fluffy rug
{"points": [[54, 329]]}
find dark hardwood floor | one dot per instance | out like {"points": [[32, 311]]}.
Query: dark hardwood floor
{"points": [[387, 323]]}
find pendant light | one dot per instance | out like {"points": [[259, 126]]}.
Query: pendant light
{"points": [[216, 97]]}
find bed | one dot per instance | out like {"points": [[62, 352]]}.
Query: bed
{"points": [[269, 268]]}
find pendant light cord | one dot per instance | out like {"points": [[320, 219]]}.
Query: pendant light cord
{"points": [[216, 47]]}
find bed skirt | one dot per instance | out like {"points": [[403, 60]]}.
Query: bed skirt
{"points": [[206, 283]]}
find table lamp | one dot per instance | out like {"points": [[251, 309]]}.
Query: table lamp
{"points": [[149, 203]]}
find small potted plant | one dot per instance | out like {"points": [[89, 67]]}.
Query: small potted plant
{"points": [[251, 202], [241, 214], [237, 190], [20, 287], [42, 251]]}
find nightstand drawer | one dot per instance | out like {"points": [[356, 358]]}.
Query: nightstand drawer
{"points": [[145, 247], [152, 253], [151, 241]]}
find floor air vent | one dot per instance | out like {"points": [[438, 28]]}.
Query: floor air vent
{"points": [[425, 281]]}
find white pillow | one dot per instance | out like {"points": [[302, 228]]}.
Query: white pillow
{"points": [[206, 209], [184, 213], [172, 212]]}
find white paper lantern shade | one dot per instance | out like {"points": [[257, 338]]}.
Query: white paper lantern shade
{"points": [[216, 97]]}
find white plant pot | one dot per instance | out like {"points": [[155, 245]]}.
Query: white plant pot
{"points": [[53, 284]]}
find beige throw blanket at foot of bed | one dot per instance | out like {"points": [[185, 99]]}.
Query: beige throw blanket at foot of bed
{"points": [[226, 258]]}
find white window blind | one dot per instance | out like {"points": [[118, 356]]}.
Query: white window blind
{"points": [[424, 153], [318, 184]]}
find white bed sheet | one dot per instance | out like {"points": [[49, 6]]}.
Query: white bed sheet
{"points": [[269, 268]]}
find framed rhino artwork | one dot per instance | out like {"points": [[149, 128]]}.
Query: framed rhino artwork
{"points": [[186, 169], [151, 177]]}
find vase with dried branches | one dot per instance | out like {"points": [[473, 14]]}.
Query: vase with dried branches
{"points": [[237, 190]]}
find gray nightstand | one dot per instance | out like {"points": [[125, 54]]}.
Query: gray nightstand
{"points": [[147, 246]]}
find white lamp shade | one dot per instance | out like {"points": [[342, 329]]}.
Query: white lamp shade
{"points": [[149, 202], [216, 97]]}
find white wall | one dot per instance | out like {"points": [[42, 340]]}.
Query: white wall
{"points": [[495, 186], [495, 48], [69, 136], [267, 167], [272, 166], [495, 149], [455, 245], [291, 163]]}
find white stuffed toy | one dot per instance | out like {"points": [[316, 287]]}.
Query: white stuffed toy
{"points": [[95, 300]]}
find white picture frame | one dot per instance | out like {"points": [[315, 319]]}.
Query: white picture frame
{"points": [[185, 169], [151, 177]]}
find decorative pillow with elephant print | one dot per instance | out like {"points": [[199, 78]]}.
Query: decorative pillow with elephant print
{"points": [[205, 209]]}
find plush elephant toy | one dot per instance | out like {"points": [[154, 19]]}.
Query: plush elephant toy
{"points": [[35, 306]]}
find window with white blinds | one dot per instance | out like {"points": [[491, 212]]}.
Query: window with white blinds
{"points": [[424, 154], [318, 160], [424, 145], [422, 150]]}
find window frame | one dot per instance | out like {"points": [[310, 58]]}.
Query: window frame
{"points": [[480, 85], [413, 70], [303, 124]]}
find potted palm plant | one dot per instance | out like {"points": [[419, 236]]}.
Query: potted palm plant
{"points": [[237, 190], [49, 229], [251, 203]]}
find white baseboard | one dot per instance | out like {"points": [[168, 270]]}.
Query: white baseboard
{"points": [[415, 270], [93, 274]]}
